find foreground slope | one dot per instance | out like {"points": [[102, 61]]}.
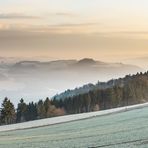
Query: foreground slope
{"points": [[124, 129]]}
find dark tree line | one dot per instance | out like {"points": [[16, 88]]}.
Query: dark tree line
{"points": [[126, 91], [27, 112], [123, 92]]}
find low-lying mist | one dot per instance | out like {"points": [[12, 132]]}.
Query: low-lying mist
{"points": [[34, 80]]}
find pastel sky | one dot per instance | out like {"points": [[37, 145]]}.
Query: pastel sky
{"points": [[102, 29]]}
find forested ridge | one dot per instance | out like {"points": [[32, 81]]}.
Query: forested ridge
{"points": [[114, 93]]}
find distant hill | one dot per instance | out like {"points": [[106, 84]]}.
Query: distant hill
{"points": [[38, 79], [139, 61], [84, 69]]}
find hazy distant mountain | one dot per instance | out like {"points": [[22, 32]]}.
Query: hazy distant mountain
{"points": [[36, 79], [74, 65], [140, 61]]}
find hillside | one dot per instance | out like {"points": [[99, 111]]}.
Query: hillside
{"points": [[100, 85], [114, 93], [130, 90], [110, 131]]}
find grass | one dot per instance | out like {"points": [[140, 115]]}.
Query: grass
{"points": [[120, 130]]}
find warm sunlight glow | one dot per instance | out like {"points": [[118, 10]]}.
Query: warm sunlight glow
{"points": [[98, 27]]}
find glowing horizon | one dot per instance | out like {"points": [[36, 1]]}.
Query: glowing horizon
{"points": [[100, 29]]}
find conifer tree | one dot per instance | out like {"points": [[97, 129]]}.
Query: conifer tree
{"points": [[8, 115]]}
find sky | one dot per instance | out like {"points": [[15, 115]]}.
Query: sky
{"points": [[67, 29]]}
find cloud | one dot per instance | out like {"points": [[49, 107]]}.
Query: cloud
{"points": [[17, 16], [24, 16], [76, 25], [61, 14], [64, 14], [68, 28], [55, 28], [52, 43]]}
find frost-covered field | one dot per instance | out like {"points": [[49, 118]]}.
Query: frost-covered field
{"points": [[123, 129], [68, 118]]}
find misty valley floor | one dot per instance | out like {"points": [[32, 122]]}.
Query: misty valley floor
{"points": [[126, 129]]}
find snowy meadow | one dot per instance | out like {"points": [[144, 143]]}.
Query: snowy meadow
{"points": [[122, 129]]}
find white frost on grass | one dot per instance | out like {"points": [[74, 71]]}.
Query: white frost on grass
{"points": [[67, 118]]}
